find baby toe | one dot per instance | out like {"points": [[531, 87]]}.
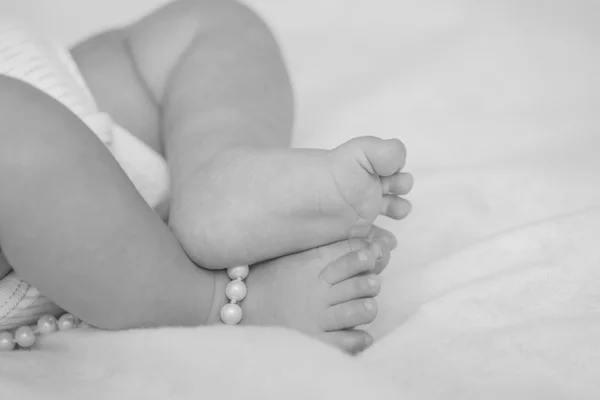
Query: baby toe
{"points": [[349, 265], [395, 207], [348, 315], [400, 183], [354, 288], [351, 341], [382, 257], [377, 234]]}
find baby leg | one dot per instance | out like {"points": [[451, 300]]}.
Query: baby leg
{"points": [[73, 225], [212, 73], [192, 80]]}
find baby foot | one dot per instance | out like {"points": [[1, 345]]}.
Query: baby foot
{"points": [[366, 172], [325, 292], [249, 205]]}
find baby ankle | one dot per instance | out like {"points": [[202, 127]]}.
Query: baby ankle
{"points": [[219, 297]]}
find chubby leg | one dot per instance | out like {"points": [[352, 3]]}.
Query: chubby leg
{"points": [[206, 77], [191, 79], [73, 225]]}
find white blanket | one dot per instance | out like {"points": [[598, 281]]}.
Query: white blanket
{"points": [[494, 291]]}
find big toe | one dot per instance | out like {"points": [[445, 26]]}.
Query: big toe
{"points": [[351, 341], [378, 156]]}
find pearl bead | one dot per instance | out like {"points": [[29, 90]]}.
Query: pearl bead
{"points": [[236, 290], [6, 341], [240, 272], [66, 322], [25, 337], [231, 314], [47, 324]]}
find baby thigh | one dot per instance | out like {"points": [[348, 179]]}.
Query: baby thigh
{"points": [[69, 216]]}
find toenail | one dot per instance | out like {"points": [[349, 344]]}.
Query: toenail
{"points": [[368, 341], [372, 282], [369, 306], [390, 241], [410, 181], [377, 250], [362, 255]]}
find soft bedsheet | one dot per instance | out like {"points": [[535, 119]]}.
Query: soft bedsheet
{"points": [[494, 290]]}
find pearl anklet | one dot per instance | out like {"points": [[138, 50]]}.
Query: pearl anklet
{"points": [[236, 291], [25, 336]]}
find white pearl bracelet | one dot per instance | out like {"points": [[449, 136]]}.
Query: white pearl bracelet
{"points": [[236, 291], [25, 336]]}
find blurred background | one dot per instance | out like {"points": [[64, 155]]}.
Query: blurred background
{"points": [[72, 19]]}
